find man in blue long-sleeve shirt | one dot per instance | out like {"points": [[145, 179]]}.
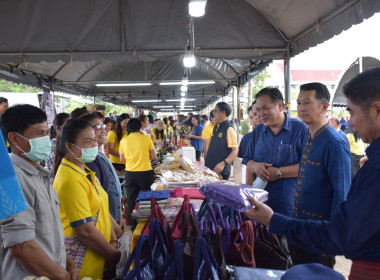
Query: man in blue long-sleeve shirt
{"points": [[353, 230], [324, 172]]}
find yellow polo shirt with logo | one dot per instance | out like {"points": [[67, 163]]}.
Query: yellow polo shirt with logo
{"points": [[112, 138], [80, 200], [207, 133], [135, 149]]}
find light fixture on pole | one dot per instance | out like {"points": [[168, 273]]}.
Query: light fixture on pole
{"points": [[183, 94], [189, 60], [183, 88], [185, 81], [197, 8]]}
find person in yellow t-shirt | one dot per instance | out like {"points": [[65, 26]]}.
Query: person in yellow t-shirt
{"points": [[159, 132], [357, 151], [207, 133], [84, 210], [113, 140], [139, 174]]}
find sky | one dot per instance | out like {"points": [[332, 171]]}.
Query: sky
{"points": [[340, 51]]}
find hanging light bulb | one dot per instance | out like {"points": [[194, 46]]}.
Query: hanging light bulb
{"points": [[197, 8], [185, 81], [183, 88], [189, 60]]}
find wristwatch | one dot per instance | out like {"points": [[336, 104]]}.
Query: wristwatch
{"points": [[225, 162], [279, 174]]}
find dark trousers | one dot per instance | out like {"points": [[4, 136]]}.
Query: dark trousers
{"points": [[119, 166], [135, 182], [355, 165], [300, 256], [198, 155]]}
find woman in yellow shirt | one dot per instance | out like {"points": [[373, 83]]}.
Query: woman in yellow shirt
{"points": [[159, 132], [139, 174], [113, 140], [84, 208]]}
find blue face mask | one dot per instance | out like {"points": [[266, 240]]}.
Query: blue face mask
{"points": [[88, 154], [40, 148]]}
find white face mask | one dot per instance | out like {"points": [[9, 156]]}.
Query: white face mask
{"points": [[40, 148], [259, 184]]}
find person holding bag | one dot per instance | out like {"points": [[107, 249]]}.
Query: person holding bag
{"points": [[83, 202]]}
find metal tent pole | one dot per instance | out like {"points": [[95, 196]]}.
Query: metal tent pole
{"points": [[249, 128], [287, 80]]}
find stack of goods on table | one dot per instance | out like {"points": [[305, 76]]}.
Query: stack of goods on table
{"points": [[182, 173], [215, 241], [169, 205]]}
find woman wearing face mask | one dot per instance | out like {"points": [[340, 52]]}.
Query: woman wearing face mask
{"points": [[106, 174], [83, 202], [113, 140]]}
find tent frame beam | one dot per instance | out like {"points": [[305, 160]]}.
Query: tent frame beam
{"points": [[136, 52]]}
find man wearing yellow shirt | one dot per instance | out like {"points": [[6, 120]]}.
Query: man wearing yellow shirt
{"points": [[207, 133], [139, 175]]}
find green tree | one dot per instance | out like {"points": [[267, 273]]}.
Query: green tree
{"points": [[6, 86], [258, 82]]}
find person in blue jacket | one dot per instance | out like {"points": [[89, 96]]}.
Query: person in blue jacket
{"points": [[353, 229]]}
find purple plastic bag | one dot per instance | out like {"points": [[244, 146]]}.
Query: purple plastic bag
{"points": [[233, 195]]}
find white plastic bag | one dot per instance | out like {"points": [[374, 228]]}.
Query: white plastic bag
{"points": [[125, 246]]}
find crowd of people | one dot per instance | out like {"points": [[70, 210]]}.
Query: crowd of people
{"points": [[319, 197]]}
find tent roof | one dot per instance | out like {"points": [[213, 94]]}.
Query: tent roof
{"points": [[72, 45], [353, 70]]}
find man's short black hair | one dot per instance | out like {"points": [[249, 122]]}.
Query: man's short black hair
{"points": [[212, 114], [205, 118], [249, 109], [322, 94], [274, 94], [19, 118], [134, 125], [190, 114], [3, 99], [364, 89], [224, 107]]}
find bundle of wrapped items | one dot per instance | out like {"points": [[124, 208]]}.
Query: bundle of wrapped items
{"points": [[169, 207], [170, 176], [143, 205], [174, 204], [233, 195]]}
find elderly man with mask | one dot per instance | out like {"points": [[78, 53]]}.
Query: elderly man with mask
{"points": [[32, 240]]}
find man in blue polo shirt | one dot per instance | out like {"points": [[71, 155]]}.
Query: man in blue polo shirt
{"points": [[275, 149], [353, 229]]}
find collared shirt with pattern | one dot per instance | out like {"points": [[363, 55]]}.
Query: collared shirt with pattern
{"points": [[39, 222], [324, 175]]}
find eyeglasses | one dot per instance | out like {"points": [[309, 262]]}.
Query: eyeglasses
{"points": [[99, 126]]}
